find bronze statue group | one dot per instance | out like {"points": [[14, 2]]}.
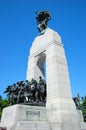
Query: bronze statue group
{"points": [[27, 92]]}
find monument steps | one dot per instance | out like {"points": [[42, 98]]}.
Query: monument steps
{"points": [[83, 125], [31, 125]]}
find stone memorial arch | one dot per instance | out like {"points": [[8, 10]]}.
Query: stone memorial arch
{"points": [[49, 48], [60, 112], [37, 69]]}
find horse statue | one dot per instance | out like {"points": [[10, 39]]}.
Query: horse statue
{"points": [[12, 94]]}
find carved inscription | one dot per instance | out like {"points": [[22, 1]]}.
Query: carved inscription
{"points": [[33, 113]]}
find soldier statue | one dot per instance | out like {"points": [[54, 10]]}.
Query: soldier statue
{"points": [[42, 89]]}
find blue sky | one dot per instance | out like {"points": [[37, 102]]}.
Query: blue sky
{"points": [[18, 29]]}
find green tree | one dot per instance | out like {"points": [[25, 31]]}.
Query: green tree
{"points": [[83, 107], [3, 103]]}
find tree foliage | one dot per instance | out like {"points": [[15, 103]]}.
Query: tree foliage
{"points": [[83, 107], [80, 103], [3, 103]]}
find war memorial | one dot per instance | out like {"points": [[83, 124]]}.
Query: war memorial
{"points": [[36, 104]]}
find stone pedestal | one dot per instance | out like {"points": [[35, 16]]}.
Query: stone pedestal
{"points": [[23, 117]]}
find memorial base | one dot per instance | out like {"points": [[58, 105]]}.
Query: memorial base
{"points": [[23, 117]]}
